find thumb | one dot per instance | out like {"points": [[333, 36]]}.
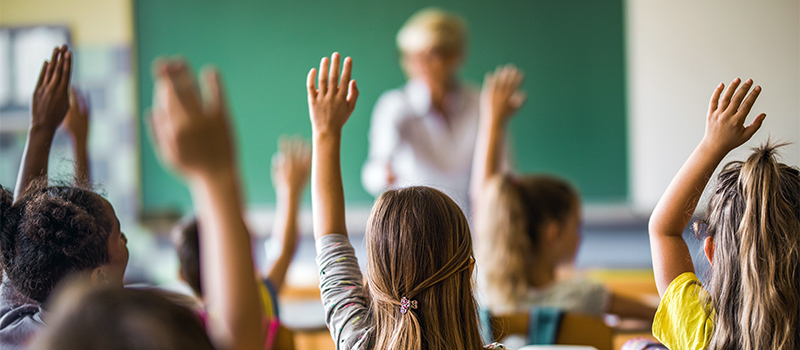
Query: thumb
{"points": [[751, 129]]}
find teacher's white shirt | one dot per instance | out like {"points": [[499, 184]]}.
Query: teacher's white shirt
{"points": [[421, 146]]}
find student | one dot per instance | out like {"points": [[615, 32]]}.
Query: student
{"points": [[50, 232], [290, 171], [529, 225], [423, 133], [752, 223], [192, 135], [418, 292]]}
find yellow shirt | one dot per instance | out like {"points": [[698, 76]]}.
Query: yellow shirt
{"points": [[682, 322]]}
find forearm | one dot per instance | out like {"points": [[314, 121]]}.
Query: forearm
{"points": [[487, 159], [228, 270], [671, 256], [81, 161], [34, 158], [286, 224], [327, 194]]}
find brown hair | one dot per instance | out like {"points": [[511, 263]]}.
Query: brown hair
{"points": [[419, 247], [509, 224], [753, 218], [92, 317], [185, 237]]}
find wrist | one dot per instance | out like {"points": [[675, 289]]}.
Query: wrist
{"points": [[40, 130], [712, 149], [224, 176]]}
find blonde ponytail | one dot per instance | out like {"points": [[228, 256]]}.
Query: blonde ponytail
{"points": [[754, 219]]}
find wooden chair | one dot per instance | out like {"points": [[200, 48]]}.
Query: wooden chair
{"points": [[573, 329]]}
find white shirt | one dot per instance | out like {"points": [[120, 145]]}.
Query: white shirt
{"points": [[422, 147]]}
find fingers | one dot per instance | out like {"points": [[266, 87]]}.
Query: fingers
{"points": [[42, 75], [346, 74], [182, 90], [726, 98], [55, 79], [751, 129], [744, 109], [323, 76], [51, 65], [714, 103], [352, 95], [216, 103], [66, 70], [333, 79], [311, 83], [739, 96]]}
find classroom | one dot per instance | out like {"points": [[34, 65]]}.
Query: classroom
{"points": [[579, 124]]}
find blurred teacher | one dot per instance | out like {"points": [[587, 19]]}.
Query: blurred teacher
{"points": [[423, 133]]}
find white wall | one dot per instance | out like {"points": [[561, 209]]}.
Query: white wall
{"points": [[678, 51]]}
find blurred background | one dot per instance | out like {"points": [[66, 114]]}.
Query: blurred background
{"points": [[617, 95]]}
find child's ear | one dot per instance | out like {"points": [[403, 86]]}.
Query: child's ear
{"points": [[708, 247], [552, 231], [99, 276]]}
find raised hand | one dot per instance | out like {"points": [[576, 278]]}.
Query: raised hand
{"points": [[191, 132], [500, 95], [725, 129], [51, 96], [331, 103], [291, 166], [76, 121]]}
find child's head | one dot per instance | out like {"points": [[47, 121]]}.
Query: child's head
{"points": [[100, 317], [55, 231], [753, 228], [186, 239], [521, 222], [419, 248], [432, 44]]}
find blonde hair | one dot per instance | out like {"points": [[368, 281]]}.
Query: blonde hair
{"points": [[509, 223], [433, 28], [419, 247], [753, 218]]}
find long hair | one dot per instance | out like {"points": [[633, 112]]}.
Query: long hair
{"points": [[753, 218], [509, 224], [419, 248]]}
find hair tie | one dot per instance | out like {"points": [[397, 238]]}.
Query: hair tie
{"points": [[406, 304]]}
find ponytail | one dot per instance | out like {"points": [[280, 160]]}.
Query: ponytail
{"points": [[754, 219]]}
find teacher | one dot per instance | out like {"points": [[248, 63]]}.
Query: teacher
{"points": [[423, 133]]}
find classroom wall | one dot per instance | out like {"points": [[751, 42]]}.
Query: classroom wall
{"points": [[677, 53]]}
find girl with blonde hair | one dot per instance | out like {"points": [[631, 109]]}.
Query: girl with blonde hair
{"points": [[529, 225], [752, 298], [418, 291]]}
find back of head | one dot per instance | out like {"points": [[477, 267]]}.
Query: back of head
{"points": [[86, 317], [753, 218], [50, 233], [433, 28], [186, 238], [419, 248], [509, 223]]}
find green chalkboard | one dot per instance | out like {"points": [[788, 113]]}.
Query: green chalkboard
{"points": [[572, 51]]}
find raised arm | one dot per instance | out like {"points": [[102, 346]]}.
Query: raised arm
{"points": [[48, 108], [725, 131], [500, 98], [329, 105], [76, 123], [290, 170], [193, 137]]}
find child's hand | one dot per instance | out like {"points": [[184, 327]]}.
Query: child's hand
{"points": [[725, 128], [50, 98], [191, 132], [500, 95], [331, 104], [291, 166], [77, 118]]}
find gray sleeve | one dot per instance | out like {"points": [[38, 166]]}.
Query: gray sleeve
{"points": [[342, 290]]}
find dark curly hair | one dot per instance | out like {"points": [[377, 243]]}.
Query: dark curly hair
{"points": [[50, 233]]}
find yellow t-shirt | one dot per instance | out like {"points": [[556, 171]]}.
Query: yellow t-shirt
{"points": [[682, 322]]}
